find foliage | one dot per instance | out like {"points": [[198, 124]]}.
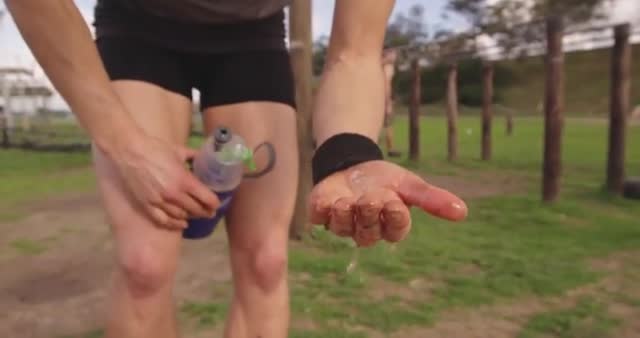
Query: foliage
{"points": [[320, 49], [408, 29], [405, 30], [469, 81], [516, 24]]}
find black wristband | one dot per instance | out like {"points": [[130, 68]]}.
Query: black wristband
{"points": [[342, 151]]}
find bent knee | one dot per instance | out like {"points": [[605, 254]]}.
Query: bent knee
{"points": [[146, 271], [264, 264]]}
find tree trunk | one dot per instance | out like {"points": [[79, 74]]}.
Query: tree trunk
{"points": [[452, 112], [5, 131], [487, 100], [414, 113], [301, 61], [554, 106], [509, 122], [620, 93]]}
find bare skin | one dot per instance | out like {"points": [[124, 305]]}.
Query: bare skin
{"points": [[139, 132], [388, 67], [258, 222], [141, 303], [370, 201]]}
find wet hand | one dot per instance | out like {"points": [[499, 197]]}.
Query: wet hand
{"points": [[370, 202]]}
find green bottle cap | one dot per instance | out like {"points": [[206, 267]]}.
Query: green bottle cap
{"points": [[247, 158]]}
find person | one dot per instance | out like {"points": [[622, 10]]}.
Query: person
{"points": [[389, 58], [131, 91]]}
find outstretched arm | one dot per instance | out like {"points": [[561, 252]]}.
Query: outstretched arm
{"points": [[351, 93], [357, 194]]}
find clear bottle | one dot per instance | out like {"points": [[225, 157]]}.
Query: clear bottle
{"points": [[220, 166]]}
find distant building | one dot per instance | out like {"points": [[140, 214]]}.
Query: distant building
{"points": [[21, 95]]}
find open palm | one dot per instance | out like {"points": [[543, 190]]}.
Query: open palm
{"points": [[370, 202]]}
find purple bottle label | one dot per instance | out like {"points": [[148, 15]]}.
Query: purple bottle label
{"points": [[203, 227]]}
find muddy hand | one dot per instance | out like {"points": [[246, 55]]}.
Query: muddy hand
{"points": [[370, 202]]}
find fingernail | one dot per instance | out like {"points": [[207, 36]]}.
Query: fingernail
{"points": [[459, 209]]}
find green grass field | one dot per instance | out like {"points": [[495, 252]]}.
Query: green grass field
{"points": [[515, 246], [512, 249]]}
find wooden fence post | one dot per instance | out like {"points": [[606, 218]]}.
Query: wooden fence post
{"points": [[414, 112], [5, 131], [301, 62], [619, 107], [452, 112], [554, 106], [487, 101]]}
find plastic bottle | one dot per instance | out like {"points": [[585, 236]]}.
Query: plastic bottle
{"points": [[220, 166]]}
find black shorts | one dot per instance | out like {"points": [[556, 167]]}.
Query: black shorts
{"points": [[222, 77]]}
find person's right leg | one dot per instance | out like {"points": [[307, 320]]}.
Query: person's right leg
{"points": [[388, 135], [141, 304]]}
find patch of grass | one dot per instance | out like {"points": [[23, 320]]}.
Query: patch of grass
{"points": [[27, 176], [28, 247], [588, 319], [519, 252], [635, 302], [584, 148], [624, 298], [519, 246], [326, 333], [206, 314], [389, 314]]}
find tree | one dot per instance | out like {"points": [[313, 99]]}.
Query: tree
{"points": [[320, 48], [514, 25], [408, 29], [504, 13], [301, 64]]}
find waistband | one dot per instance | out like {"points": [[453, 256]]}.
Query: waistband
{"points": [[261, 34]]}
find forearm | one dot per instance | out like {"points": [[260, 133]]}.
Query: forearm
{"points": [[351, 97], [62, 44]]}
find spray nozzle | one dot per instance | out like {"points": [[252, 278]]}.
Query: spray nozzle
{"points": [[221, 137]]}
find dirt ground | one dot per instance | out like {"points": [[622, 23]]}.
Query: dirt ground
{"points": [[60, 290]]}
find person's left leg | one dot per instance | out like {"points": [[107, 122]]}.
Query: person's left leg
{"points": [[388, 136], [258, 222]]}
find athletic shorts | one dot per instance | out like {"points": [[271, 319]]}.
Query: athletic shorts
{"points": [[222, 77]]}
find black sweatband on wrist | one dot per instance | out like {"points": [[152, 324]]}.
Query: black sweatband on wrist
{"points": [[342, 151]]}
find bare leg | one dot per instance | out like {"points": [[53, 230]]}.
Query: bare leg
{"points": [[141, 304], [388, 134], [258, 221]]}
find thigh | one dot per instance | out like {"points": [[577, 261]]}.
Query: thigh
{"points": [[262, 207], [165, 115]]}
